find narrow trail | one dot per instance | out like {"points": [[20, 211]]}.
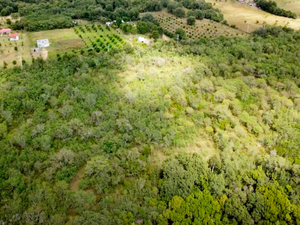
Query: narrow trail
{"points": [[76, 179]]}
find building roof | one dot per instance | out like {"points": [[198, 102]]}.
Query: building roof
{"points": [[14, 35], [6, 30], [43, 43], [141, 39]]}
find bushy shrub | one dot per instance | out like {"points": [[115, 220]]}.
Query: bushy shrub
{"points": [[191, 20]]}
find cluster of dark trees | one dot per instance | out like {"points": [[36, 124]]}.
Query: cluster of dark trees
{"points": [[34, 23], [7, 7], [198, 9], [80, 144], [41, 15], [148, 24], [271, 7]]}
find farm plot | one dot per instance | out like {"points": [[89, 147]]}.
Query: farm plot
{"points": [[99, 37], [12, 51], [202, 28]]}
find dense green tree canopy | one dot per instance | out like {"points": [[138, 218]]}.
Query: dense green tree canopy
{"points": [[203, 132]]}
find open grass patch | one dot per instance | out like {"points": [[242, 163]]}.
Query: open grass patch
{"points": [[237, 13]]}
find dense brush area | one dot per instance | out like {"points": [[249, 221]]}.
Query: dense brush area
{"points": [[201, 132]]}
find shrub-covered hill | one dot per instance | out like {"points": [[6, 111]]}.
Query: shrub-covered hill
{"points": [[206, 133]]}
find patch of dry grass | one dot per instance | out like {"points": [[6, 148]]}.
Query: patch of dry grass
{"points": [[243, 14], [293, 6]]}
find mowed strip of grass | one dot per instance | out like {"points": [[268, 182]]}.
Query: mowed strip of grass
{"points": [[242, 14], [202, 28], [60, 40]]}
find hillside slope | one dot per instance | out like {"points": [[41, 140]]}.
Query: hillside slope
{"points": [[242, 14], [204, 132]]}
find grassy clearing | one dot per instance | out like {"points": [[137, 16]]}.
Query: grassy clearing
{"points": [[293, 6], [3, 20], [60, 40], [202, 28], [243, 14], [150, 73]]}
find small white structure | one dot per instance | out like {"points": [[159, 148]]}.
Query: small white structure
{"points": [[143, 40], [110, 23], [43, 43], [14, 37]]}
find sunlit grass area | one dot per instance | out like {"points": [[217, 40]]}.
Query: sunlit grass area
{"points": [[242, 14], [60, 40]]}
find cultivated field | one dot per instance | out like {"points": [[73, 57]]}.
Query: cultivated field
{"points": [[243, 14], [93, 37], [99, 37], [202, 28]]}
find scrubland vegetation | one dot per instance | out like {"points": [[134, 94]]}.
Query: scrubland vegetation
{"points": [[117, 137], [199, 130]]}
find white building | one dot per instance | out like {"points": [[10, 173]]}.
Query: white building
{"points": [[43, 43], [143, 40], [14, 37]]}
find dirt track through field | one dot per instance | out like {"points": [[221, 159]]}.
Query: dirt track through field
{"points": [[44, 54]]}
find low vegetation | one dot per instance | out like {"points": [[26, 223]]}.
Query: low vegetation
{"points": [[291, 5]]}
